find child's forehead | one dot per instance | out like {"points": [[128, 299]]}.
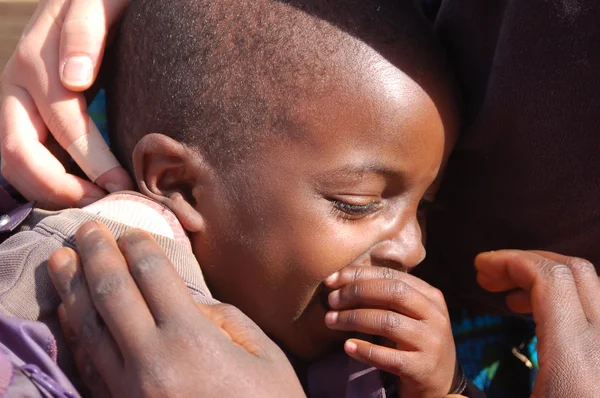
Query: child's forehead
{"points": [[380, 121]]}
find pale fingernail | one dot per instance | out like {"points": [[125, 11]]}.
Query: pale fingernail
{"points": [[331, 279], [334, 298], [350, 346], [78, 71], [331, 317], [88, 200]]}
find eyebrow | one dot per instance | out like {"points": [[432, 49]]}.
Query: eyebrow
{"points": [[365, 169]]}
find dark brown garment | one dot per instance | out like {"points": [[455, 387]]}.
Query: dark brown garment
{"points": [[526, 171]]}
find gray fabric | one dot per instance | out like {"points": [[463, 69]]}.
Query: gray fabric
{"points": [[26, 290]]}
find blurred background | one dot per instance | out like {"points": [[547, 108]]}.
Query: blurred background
{"points": [[14, 14]]}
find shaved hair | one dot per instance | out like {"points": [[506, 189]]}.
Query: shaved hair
{"points": [[223, 76]]}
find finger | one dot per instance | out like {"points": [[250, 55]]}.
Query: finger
{"points": [[392, 294], [83, 38], [400, 363], [163, 289], [554, 297], [89, 375], [91, 152], [28, 165], [113, 290], [519, 301], [404, 331], [239, 328], [493, 275], [586, 279], [86, 330], [355, 273], [64, 111]]}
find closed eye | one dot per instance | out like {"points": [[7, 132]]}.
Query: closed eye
{"points": [[351, 211]]}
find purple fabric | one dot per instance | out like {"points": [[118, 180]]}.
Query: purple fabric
{"points": [[11, 207], [339, 375], [16, 215], [7, 196], [6, 373], [30, 348]]}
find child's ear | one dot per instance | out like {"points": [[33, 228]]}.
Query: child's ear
{"points": [[174, 175]]}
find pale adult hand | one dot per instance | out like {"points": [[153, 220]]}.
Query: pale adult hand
{"points": [[58, 57], [563, 293]]}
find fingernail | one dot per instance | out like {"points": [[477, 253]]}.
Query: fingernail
{"points": [[334, 298], [78, 71], [88, 200], [331, 279], [331, 317], [350, 346]]}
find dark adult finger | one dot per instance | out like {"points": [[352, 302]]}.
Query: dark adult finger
{"points": [[87, 370], [586, 280], [552, 286], [164, 291], [88, 328], [115, 294]]}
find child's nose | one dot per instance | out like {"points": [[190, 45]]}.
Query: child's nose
{"points": [[404, 252]]}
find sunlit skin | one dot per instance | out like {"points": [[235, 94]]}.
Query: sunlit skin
{"points": [[347, 193]]}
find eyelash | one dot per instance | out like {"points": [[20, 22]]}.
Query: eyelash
{"points": [[352, 212]]}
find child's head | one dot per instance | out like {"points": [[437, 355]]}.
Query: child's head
{"points": [[294, 138]]}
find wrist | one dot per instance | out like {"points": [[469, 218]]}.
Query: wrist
{"points": [[460, 382]]}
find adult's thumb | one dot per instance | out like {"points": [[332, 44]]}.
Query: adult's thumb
{"points": [[83, 38]]}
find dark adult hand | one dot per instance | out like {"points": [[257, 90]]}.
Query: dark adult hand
{"points": [[563, 293], [58, 56], [144, 334]]}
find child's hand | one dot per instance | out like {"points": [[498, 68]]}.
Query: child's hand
{"points": [[564, 295], [138, 332], [405, 310]]}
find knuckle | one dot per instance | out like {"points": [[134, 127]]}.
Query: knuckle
{"points": [[57, 124], [581, 265], [554, 271], [91, 328], [437, 295], [350, 293], [228, 311], [357, 274], [70, 283], [10, 154], [387, 273], [350, 318], [24, 55], [145, 265], [109, 286], [5, 166], [390, 323], [83, 30], [395, 364], [397, 291]]}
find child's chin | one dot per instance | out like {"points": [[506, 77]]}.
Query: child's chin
{"points": [[326, 343]]}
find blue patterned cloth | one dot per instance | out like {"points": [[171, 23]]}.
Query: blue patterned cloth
{"points": [[97, 111], [498, 354]]}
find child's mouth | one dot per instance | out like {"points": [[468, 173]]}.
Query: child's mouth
{"points": [[324, 297]]}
